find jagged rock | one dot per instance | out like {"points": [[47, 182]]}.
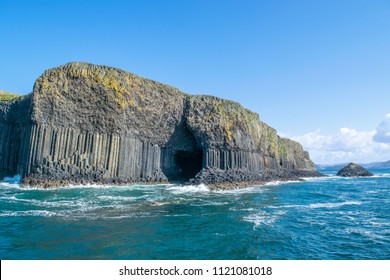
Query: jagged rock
{"points": [[88, 123], [354, 170]]}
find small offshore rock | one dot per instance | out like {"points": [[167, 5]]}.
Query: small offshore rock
{"points": [[354, 170]]}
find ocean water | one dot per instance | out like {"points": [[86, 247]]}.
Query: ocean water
{"points": [[321, 218]]}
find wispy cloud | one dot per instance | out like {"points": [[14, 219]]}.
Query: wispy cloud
{"points": [[382, 134], [348, 144]]}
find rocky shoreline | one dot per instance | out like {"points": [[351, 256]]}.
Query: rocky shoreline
{"points": [[233, 179], [214, 181], [45, 184]]}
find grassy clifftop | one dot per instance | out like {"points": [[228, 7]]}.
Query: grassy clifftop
{"points": [[104, 99], [5, 96]]}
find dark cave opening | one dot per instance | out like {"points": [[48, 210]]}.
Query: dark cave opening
{"points": [[182, 157], [188, 163]]}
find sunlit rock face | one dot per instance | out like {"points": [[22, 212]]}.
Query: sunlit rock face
{"points": [[86, 123]]}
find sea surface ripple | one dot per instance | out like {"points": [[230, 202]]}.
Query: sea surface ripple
{"points": [[321, 218]]}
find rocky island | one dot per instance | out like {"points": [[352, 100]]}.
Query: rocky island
{"points": [[354, 170], [85, 123]]}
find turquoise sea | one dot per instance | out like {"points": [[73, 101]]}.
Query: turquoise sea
{"points": [[321, 218]]}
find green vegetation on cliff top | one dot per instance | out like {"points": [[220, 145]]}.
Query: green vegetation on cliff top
{"points": [[125, 85], [4, 96]]}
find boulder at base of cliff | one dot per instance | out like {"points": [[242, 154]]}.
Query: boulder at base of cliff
{"points": [[354, 170]]}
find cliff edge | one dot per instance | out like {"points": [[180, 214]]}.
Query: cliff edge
{"points": [[87, 123]]}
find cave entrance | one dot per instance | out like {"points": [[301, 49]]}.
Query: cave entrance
{"points": [[182, 157], [188, 163]]}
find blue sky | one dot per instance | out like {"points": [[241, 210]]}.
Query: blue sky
{"points": [[317, 71]]}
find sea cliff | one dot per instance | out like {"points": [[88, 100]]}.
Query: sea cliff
{"points": [[85, 123]]}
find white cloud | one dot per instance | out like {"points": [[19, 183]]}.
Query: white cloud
{"points": [[345, 146], [382, 134]]}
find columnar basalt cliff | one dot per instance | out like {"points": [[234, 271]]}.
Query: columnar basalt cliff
{"points": [[86, 123], [15, 126]]}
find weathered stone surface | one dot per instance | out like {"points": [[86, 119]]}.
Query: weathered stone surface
{"points": [[88, 123], [15, 128], [354, 170]]}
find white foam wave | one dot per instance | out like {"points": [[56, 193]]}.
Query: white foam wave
{"points": [[383, 175], [159, 203], [286, 206], [116, 198], [277, 183], [211, 203], [9, 185], [333, 205], [188, 189], [80, 203], [41, 213], [263, 218], [317, 205], [23, 200], [258, 219], [237, 209], [12, 180], [252, 189], [373, 191], [320, 179], [379, 224], [364, 232], [77, 204]]}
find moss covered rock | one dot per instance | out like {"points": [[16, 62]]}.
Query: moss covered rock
{"points": [[6, 96]]}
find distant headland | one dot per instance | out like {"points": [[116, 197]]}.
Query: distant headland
{"points": [[85, 123]]}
